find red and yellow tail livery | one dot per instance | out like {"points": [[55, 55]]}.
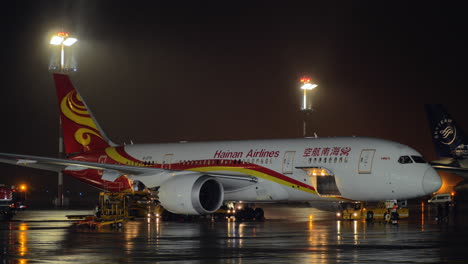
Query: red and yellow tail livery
{"points": [[81, 132]]}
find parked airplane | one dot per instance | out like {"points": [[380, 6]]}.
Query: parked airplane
{"points": [[196, 178], [450, 141]]}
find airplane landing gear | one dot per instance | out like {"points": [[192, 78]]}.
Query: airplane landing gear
{"points": [[250, 214]]}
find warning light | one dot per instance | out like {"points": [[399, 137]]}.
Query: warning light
{"points": [[62, 34], [23, 187]]}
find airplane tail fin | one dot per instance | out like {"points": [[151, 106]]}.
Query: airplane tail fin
{"points": [[448, 137], [81, 132]]}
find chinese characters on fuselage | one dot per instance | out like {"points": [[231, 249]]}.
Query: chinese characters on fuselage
{"points": [[326, 151]]}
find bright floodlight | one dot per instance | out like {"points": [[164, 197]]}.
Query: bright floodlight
{"points": [[56, 40], [308, 86], [69, 41]]}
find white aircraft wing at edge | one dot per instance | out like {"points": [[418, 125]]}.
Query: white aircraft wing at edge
{"points": [[57, 165]]}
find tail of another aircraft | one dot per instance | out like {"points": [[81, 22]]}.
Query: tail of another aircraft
{"points": [[448, 138], [81, 132]]}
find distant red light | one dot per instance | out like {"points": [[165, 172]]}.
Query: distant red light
{"points": [[305, 80]]}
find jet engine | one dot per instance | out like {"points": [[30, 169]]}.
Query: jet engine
{"points": [[192, 194]]}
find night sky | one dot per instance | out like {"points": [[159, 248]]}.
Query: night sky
{"points": [[162, 71]]}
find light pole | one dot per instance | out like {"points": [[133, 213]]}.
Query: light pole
{"points": [[306, 107], [61, 39]]}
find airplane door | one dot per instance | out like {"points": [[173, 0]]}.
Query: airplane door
{"points": [[166, 163], [365, 161], [288, 161]]}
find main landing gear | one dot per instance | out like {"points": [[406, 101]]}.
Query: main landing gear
{"points": [[249, 213]]}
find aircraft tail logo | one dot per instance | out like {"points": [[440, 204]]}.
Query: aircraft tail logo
{"points": [[448, 135], [448, 138], [81, 132]]}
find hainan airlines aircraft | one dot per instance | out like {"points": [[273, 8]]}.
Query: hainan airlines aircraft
{"points": [[196, 178]]}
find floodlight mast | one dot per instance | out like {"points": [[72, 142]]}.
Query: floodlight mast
{"points": [[306, 108], [61, 39]]}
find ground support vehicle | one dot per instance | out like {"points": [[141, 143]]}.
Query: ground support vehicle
{"points": [[441, 198], [93, 222], [114, 209], [11, 200], [7, 208], [369, 211]]}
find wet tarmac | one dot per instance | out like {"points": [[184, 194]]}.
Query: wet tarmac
{"points": [[290, 235]]}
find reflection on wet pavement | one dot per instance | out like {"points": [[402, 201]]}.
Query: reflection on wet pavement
{"points": [[311, 237]]}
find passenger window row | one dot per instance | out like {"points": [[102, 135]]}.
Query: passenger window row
{"points": [[225, 162], [144, 163]]}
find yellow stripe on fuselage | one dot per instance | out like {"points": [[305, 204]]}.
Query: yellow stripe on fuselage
{"points": [[113, 154], [256, 174]]}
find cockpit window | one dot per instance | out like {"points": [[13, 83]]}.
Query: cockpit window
{"points": [[405, 160], [418, 159]]}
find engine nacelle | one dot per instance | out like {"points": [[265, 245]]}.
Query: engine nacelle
{"points": [[193, 194]]}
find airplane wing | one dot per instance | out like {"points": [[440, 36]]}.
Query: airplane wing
{"points": [[463, 172], [57, 165]]}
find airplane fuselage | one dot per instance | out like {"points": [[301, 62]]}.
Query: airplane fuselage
{"points": [[279, 170]]}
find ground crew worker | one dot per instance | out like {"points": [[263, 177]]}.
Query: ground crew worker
{"points": [[97, 210], [394, 212]]}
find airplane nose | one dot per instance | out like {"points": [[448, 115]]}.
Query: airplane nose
{"points": [[431, 181]]}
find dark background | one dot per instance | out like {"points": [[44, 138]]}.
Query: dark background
{"points": [[159, 71]]}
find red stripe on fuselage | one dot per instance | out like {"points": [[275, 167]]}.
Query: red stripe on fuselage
{"points": [[94, 156]]}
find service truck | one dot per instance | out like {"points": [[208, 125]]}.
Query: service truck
{"points": [[7, 205], [369, 211]]}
